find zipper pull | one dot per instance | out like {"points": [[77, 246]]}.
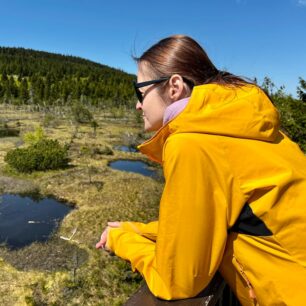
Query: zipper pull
{"points": [[252, 293]]}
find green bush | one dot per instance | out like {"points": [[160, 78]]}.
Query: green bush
{"points": [[50, 120], [293, 118], [104, 150], [34, 137], [44, 155], [92, 151], [81, 114]]}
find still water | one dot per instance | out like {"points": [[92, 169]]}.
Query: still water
{"points": [[25, 219], [126, 149], [133, 166]]}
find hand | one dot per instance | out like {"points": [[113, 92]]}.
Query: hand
{"points": [[101, 244]]}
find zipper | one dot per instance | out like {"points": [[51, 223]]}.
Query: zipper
{"points": [[238, 265]]}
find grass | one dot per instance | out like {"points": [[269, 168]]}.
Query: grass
{"points": [[62, 272]]}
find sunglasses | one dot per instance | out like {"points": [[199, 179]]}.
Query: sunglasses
{"points": [[140, 95]]}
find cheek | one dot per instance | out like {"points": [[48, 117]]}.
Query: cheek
{"points": [[154, 108], [155, 113]]}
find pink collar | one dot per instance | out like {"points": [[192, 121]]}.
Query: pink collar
{"points": [[174, 109]]}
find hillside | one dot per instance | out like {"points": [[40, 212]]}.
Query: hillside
{"points": [[35, 77]]}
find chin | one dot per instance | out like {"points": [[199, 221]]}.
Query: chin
{"points": [[148, 127]]}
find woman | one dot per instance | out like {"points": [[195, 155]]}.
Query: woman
{"points": [[234, 195]]}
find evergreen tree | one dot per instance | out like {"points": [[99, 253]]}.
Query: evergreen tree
{"points": [[4, 76], [301, 90], [1, 91], [268, 86], [53, 76], [24, 91]]}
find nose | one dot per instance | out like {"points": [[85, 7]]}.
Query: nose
{"points": [[138, 106]]}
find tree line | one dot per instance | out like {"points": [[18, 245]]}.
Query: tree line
{"points": [[292, 111], [35, 77], [42, 78]]}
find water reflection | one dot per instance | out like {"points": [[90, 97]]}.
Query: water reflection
{"points": [[25, 219], [126, 149], [133, 166]]}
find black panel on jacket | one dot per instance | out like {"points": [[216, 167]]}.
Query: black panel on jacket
{"points": [[248, 223]]}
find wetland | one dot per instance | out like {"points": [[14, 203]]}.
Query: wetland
{"points": [[26, 219], [63, 267]]}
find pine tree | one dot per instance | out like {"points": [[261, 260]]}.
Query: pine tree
{"points": [[52, 76], [301, 90], [24, 91], [268, 85]]}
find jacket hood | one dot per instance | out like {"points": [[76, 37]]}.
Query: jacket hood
{"points": [[241, 112]]}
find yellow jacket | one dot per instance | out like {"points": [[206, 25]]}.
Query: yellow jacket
{"points": [[234, 200]]}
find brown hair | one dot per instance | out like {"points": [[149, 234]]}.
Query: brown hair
{"points": [[180, 54]]}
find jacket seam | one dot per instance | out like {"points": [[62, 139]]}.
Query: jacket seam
{"points": [[225, 149]]}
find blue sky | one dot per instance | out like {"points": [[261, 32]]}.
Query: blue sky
{"points": [[246, 37]]}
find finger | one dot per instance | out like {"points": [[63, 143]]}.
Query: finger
{"points": [[103, 235], [100, 245], [114, 224]]}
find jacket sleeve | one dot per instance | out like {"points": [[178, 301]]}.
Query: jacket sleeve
{"points": [[148, 230], [192, 227]]}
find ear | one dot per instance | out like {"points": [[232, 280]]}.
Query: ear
{"points": [[176, 89]]}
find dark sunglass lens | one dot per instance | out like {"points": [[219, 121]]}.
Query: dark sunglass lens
{"points": [[147, 83], [139, 95], [138, 92]]}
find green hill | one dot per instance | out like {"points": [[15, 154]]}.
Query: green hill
{"points": [[36, 77]]}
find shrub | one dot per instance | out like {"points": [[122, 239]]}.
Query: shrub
{"points": [[293, 118], [94, 124], [91, 152], [81, 114], [50, 120], [34, 137], [105, 150], [44, 155]]}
